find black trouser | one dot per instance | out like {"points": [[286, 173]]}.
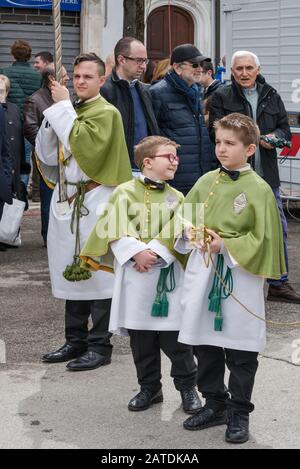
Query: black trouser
{"points": [[77, 334], [146, 346], [211, 369]]}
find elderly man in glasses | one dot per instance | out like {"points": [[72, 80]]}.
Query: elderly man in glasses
{"points": [[250, 94], [129, 95], [176, 103]]}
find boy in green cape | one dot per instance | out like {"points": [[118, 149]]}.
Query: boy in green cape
{"points": [[244, 236], [146, 297]]}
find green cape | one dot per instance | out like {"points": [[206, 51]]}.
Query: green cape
{"points": [[134, 210], [98, 144], [252, 233]]}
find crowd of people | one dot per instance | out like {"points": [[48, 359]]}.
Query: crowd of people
{"points": [[176, 140]]}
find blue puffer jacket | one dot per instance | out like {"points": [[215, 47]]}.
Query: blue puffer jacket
{"points": [[177, 121]]}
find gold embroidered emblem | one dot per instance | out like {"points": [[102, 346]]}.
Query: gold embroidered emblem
{"points": [[239, 203]]}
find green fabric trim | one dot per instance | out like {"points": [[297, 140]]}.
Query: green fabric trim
{"points": [[253, 237], [98, 143]]}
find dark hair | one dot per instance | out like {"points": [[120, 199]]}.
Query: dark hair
{"points": [[21, 50], [45, 56], [243, 126], [46, 73], [148, 147], [206, 65], [123, 47], [91, 57]]}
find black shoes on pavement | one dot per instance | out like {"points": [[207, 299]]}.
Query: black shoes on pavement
{"points": [[89, 361], [190, 401], [85, 359], [237, 428], [205, 418], [65, 353], [144, 399], [237, 423]]}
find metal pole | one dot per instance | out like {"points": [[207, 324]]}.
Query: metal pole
{"points": [[58, 74]]}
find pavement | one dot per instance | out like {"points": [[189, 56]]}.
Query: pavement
{"points": [[44, 406]]}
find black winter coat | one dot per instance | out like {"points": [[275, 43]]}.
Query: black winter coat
{"points": [[5, 165], [116, 91], [177, 121], [15, 138], [271, 117]]}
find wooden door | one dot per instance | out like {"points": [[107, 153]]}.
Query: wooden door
{"points": [[182, 31]]}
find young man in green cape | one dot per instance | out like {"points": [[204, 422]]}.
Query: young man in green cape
{"points": [[244, 236], [95, 159], [146, 298]]}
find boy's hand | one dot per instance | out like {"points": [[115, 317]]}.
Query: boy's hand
{"points": [[59, 92], [144, 260], [216, 242]]}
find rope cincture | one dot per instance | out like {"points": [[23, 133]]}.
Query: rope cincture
{"points": [[221, 289], [226, 289], [160, 307], [74, 272]]}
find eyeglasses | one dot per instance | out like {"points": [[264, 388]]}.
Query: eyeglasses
{"points": [[137, 60], [193, 65], [172, 158]]}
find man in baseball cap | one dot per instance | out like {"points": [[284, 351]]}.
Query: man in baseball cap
{"points": [[187, 53], [177, 107]]}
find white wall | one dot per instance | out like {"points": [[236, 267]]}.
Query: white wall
{"points": [[113, 31]]}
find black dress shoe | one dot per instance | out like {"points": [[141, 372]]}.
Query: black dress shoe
{"points": [[144, 399], [89, 361], [191, 403], [237, 428], [205, 418], [65, 353]]}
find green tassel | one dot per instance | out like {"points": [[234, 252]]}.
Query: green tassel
{"points": [[75, 273], [218, 323], [215, 302], [156, 310], [156, 307], [164, 306]]}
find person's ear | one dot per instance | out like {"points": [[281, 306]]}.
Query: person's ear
{"points": [[251, 149], [177, 68], [102, 80], [147, 163]]}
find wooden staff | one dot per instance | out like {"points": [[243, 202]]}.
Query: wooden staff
{"points": [[63, 200]]}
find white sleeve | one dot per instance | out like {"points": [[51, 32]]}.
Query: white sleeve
{"points": [[125, 248], [61, 117], [163, 252], [183, 246], [46, 144]]}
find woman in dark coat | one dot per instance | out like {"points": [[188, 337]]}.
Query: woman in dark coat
{"points": [[14, 127]]}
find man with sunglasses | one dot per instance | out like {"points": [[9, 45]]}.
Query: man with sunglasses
{"points": [[129, 95], [176, 103]]}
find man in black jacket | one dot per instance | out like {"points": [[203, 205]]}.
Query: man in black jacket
{"points": [[129, 95], [249, 94], [5, 166]]}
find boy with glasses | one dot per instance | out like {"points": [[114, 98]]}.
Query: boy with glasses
{"points": [[146, 298]]}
